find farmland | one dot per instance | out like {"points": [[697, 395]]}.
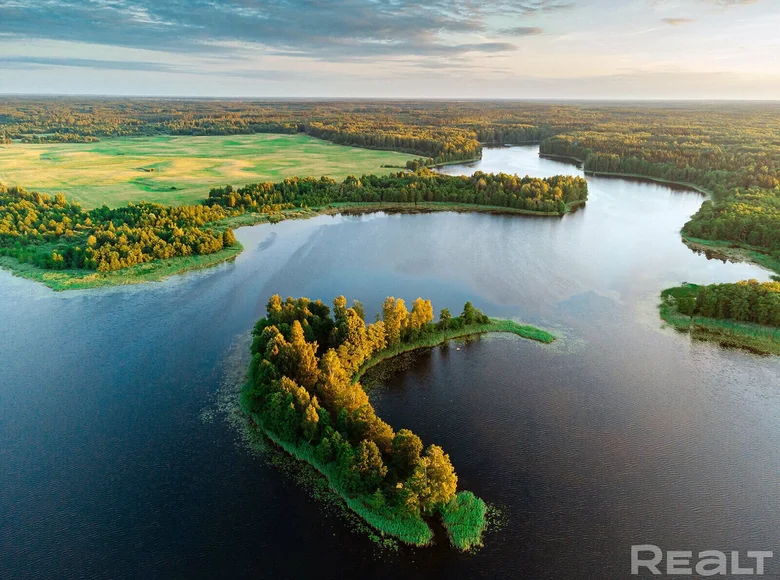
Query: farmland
{"points": [[177, 170]]}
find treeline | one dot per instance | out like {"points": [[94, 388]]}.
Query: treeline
{"points": [[746, 216], [301, 389], [52, 233], [748, 301], [58, 138], [548, 195]]}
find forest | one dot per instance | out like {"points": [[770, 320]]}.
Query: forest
{"points": [[52, 233], [748, 301], [302, 391], [550, 195]]}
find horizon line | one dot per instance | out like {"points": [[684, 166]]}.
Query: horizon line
{"points": [[408, 99]]}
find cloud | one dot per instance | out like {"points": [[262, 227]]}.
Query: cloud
{"points": [[326, 30], [727, 3], [522, 31], [24, 62], [677, 21]]}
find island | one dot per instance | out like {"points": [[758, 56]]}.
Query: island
{"points": [[744, 315], [303, 392]]}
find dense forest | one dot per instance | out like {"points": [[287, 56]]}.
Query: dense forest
{"points": [[52, 233], [301, 390], [550, 195], [749, 301]]}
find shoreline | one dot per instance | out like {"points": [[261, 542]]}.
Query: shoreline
{"points": [[441, 337], [721, 249], [417, 532], [755, 338], [639, 176], [662, 181], [158, 270], [732, 252], [154, 271]]}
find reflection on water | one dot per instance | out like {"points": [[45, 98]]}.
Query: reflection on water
{"points": [[619, 434]]}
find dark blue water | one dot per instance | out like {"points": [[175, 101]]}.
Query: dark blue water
{"points": [[113, 463]]}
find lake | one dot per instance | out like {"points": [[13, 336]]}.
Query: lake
{"points": [[116, 463]]}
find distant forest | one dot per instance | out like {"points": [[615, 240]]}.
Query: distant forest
{"points": [[731, 151]]}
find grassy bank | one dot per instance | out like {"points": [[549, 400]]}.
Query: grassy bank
{"points": [[154, 271], [733, 252], [430, 207], [442, 336], [752, 337]]}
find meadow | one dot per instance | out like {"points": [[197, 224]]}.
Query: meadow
{"points": [[176, 170]]}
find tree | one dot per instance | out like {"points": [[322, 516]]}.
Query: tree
{"points": [[357, 306], [421, 314], [395, 317], [306, 366], [310, 421], [334, 382], [469, 313], [369, 466], [434, 480], [354, 348], [444, 319], [406, 451]]}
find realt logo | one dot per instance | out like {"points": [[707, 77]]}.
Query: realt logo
{"points": [[649, 558]]}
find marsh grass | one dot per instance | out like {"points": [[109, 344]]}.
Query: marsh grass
{"points": [[465, 520], [442, 336]]}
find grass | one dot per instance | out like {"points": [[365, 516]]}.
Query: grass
{"points": [[730, 333], [442, 336], [464, 518], [117, 171], [154, 271]]}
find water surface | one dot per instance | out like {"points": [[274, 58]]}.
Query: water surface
{"points": [[619, 433]]}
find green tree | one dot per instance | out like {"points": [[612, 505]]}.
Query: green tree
{"points": [[406, 451]]}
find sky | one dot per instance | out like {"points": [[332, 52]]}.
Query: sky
{"points": [[559, 49]]}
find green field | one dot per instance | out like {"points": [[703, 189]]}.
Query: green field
{"points": [[179, 169]]}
